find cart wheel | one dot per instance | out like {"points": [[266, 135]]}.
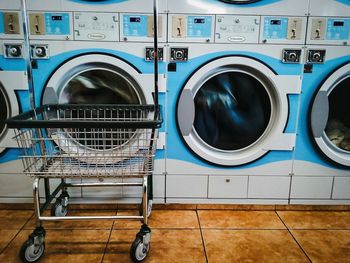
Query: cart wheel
{"points": [[30, 252], [58, 209], [139, 250], [149, 209]]}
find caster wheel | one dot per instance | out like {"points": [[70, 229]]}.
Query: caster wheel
{"points": [[58, 209], [30, 252], [149, 209], [139, 250]]}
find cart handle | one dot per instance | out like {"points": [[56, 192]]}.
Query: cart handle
{"points": [[35, 118]]}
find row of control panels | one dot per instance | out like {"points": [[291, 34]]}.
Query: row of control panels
{"points": [[176, 54], [91, 26]]}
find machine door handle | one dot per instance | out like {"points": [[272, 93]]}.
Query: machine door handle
{"points": [[186, 112], [319, 114]]}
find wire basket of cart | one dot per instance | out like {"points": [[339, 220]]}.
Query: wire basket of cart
{"points": [[87, 141]]}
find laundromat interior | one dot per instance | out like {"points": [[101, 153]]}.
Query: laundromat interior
{"points": [[217, 130]]}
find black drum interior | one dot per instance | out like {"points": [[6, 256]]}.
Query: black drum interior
{"points": [[232, 111], [338, 125]]}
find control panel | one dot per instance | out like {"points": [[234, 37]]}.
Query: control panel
{"points": [[329, 31], [191, 28], [237, 29], [50, 25], [283, 30], [96, 26], [140, 27]]}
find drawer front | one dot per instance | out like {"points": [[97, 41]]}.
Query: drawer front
{"points": [[228, 186]]}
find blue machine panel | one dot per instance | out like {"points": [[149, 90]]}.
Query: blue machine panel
{"points": [[135, 25], [199, 26], [345, 2], [275, 28], [2, 28], [57, 23], [338, 29]]}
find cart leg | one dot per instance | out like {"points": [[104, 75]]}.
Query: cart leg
{"points": [[60, 207], [36, 201], [47, 189], [141, 245], [145, 200], [33, 248]]}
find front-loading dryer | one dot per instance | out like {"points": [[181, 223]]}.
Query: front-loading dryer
{"points": [[100, 57], [233, 91], [13, 100], [322, 157]]}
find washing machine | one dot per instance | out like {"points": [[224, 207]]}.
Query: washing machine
{"points": [[13, 100], [233, 89], [93, 52], [322, 156]]}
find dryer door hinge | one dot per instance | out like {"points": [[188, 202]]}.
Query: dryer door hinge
{"points": [[285, 142], [161, 141], [162, 81]]}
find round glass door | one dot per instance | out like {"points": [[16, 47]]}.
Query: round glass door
{"points": [[330, 119], [338, 124], [83, 80], [232, 111]]}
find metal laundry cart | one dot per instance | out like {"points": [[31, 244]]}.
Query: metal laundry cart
{"points": [[123, 139], [88, 141]]}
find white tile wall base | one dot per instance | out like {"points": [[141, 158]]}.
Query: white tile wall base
{"points": [[17, 200], [311, 187], [228, 201], [269, 187], [228, 186], [318, 202], [187, 186], [126, 192], [341, 188], [225, 186], [21, 186]]}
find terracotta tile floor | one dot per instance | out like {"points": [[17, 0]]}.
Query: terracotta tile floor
{"points": [[189, 236]]}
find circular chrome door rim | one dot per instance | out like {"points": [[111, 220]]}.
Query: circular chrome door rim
{"points": [[76, 66], [134, 85], [336, 154], [228, 69], [8, 109], [277, 119]]}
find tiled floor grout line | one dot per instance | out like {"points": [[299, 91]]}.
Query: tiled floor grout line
{"points": [[109, 238], [19, 231], [200, 229], [296, 241]]}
